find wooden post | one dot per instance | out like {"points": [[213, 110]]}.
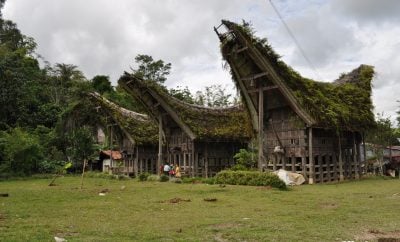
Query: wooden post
{"points": [[304, 166], [135, 162], [293, 164], [365, 152], [160, 132], [359, 159], [320, 168], [260, 128], [341, 176], [355, 153], [310, 157], [206, 160], [335, 175]]}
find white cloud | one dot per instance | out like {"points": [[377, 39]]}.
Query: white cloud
{"points": [[103, 37]]}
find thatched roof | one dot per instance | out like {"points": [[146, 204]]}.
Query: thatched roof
{"points": [[137, 127], [197, 122], [342, 105]]}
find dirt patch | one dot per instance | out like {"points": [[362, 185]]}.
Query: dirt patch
{"points": [[218, 238], [377, 235], [226, 226], [176, 200], [264, 188], [210, 199], [328, 205]]}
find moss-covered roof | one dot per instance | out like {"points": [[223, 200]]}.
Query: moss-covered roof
{"points": [[206, 123], [342, 105], [139, 126]]}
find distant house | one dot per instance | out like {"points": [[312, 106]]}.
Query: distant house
{"points": [[201, 140], [111, 165], [309, 127], [133, 136]]}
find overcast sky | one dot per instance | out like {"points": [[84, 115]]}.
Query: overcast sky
{"points": [[102, 37]]}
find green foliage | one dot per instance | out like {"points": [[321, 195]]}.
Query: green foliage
{"points": [[81, 145], [344, 105], [102, 84], [143, 176], [149, 69], [153, 178], [164, 178], [250, 178], [213, 96], [21, 152], [182, 94], [245, 160]]}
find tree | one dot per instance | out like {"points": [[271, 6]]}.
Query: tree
{"points": [[81, 145], [213, 96], [102, 84], [21, 152], [182, 94], [381, 137], [149, 69]]}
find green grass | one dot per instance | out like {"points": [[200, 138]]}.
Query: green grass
{"points": [[330, 212]]}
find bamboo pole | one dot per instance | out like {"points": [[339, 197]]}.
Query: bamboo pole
{"points": [[83, 172], [159, 158]]}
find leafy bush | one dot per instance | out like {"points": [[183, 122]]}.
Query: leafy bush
{"points": [[210, 181], [153, 178], [164, 178], [244, 160], [250, 178], [143, 176]]}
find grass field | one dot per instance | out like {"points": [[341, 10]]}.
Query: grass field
{"points": [[143, 211]]}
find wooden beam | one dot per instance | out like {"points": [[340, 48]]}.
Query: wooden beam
{"points": [[341, 176], [264, 64], [260, 129], [253, 90], [173, 115], [160, 132], [249, 102], [254, 77], [355, 160], [241, 49], [310, 157]]}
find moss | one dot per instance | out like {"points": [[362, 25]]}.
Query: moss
{"points": [[346, 105], [206, 123]]}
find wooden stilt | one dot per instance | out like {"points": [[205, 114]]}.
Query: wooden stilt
{"points": [[293, 158], [341, 175], [260, 129], [206, 160], [355, 154], [135, 162], [160, 132], [310, 157]]}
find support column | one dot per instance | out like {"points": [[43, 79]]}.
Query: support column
{"points": [[364, 151], [160, 132], [310, 157], [260, 128], [341, 176], [135, 162], [355, 154], [206, 160]]}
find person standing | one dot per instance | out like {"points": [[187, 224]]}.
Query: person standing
{"points": [[167, 168]]}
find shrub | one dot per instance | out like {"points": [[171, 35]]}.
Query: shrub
{"points": [[175, 180], [192, 180], [244, 160], [250, 178], [164, 178], [143, 176], [153, 178], [210, 181]]}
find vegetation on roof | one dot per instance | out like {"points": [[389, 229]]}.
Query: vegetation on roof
{"points": [[206, 123], [343, 105]]}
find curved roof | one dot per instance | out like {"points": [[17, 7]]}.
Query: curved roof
{"points": [[198, 122], [345, 104]]}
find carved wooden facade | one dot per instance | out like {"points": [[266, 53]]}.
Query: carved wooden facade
{"points": [[202, 141], [289, 135]]}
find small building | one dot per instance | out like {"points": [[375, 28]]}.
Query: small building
{"points": [[201, 140], [313, 128], [111, 161]]}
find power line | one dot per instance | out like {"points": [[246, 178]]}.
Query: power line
{"points": [[303, 53]]}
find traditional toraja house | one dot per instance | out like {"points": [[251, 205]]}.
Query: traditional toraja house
{"points": [[133, 134], [309, 127], [201, 140]]}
